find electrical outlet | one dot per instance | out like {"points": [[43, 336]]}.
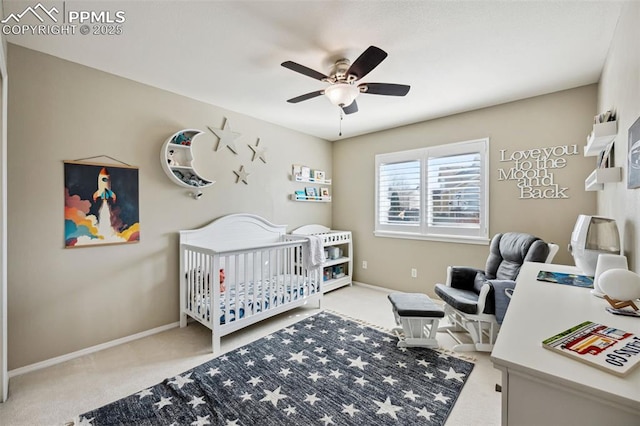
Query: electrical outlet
{"points": [[364, 264], [414, 273]]}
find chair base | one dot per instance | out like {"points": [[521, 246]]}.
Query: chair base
{"points": [[416, 332], [483, 331]]}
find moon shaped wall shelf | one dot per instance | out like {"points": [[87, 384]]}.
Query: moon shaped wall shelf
{"points": [[177, 160]]}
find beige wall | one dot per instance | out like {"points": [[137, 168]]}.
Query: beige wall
{"points": [[63, 300], [620, 89], [558, 119]]}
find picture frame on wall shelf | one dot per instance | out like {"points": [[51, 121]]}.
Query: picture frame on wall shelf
{"points": [[305, 172], [296, 170], [318, 175], [606, 159], [324, 192], [633, 156]]}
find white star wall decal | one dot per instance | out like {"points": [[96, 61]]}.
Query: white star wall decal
{"points": [[258, 152], [226, 137], [241, 175]]}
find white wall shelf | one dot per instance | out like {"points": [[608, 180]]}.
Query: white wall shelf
{"points": [[312, 180], [295, 197], [304, 174], [601, 136], [182, 172], [597, 178]]}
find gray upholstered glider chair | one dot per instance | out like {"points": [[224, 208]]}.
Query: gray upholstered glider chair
{"points": [[472, 295]]}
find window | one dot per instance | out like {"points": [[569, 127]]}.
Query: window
{"points": [[436, 193]]}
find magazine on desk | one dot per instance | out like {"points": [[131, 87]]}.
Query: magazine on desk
{"points": [[567, 279], [607, 348]]}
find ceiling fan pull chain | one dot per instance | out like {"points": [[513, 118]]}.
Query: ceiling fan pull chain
{"points": [[341, 117]]}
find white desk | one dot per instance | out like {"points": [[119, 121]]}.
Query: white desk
{"points": [[540, 387]]}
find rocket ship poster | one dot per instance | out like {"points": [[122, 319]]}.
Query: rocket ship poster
{"points": [[100, 204]]}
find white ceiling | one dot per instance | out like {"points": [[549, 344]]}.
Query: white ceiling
{"points": [[456, 55]]}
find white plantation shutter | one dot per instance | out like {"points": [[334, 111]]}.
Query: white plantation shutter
{"points": [[399, 199], [436, 192]]}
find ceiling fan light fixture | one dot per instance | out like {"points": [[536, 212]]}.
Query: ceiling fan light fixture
{"points": [[342, 94]]}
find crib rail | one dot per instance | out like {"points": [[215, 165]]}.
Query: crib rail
{"points": [[224, 289]]}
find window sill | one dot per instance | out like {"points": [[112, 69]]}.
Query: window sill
{"points": [[441, 238]]}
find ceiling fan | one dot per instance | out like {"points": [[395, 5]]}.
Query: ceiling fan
{"points": [[342, 90]]}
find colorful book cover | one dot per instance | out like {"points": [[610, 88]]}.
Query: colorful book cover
{"points": [[609, 349], [567, 279]]}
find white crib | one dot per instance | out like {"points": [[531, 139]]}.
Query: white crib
{"points": [[260, 267]]}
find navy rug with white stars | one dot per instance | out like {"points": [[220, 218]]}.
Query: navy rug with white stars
{"points": [[324, 370]]}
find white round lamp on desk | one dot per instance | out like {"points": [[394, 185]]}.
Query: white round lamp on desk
{"points": [[605, 263], [621, 288]]}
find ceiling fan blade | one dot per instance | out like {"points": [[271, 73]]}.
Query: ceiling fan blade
{"points": [[351, 108], [367, 61], [305, 97], [388, 89], [304, 70]]}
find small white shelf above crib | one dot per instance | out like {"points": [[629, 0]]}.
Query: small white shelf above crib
{"points": [[176, 158]]}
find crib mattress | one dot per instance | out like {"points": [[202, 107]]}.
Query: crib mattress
{"points": [[249, 298]]}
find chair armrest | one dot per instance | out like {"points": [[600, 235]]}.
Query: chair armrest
{"points": [[499, 298], [461, 276]]}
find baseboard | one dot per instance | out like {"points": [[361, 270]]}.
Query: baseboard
{"points": [[389, 290], [63, 358], [374, 287]]}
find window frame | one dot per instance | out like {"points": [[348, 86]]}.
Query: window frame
{"points": [[424, 231]]}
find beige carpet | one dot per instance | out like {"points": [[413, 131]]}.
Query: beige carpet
{"points": [[55, 395]]}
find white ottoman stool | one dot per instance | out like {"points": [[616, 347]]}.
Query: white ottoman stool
{"points": [[418, 317]]}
